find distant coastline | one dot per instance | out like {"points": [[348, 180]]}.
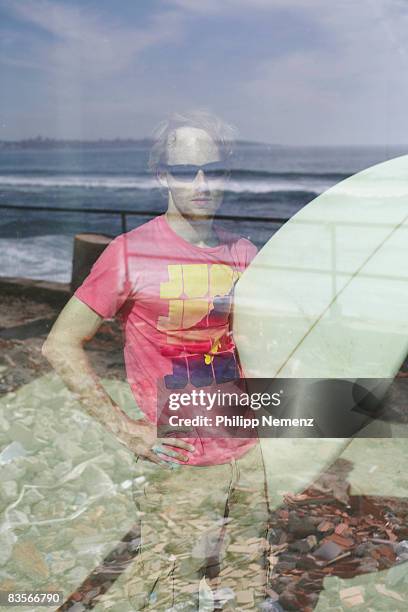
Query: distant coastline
{"points": [[52, 143]]}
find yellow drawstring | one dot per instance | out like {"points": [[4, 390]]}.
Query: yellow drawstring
{"points": [[208, 357]]}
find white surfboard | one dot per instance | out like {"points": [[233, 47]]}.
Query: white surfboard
{"points": [[327, 296]]}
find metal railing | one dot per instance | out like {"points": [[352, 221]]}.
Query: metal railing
{"points": [[123, 214], [137, 213]]}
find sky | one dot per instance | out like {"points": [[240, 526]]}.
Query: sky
{"points": [[298, 72]]}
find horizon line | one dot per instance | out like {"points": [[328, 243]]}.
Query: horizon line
{"points": [[45, 140]]}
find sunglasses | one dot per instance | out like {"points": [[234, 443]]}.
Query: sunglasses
{"points": [[187, 172]]}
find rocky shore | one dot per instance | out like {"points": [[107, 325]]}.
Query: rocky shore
{"points": [[27, 311], [68, 516]]}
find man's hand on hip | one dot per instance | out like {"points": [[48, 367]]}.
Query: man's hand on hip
{"points": [[141, 438]]}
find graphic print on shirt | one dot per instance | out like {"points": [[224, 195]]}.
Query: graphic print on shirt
{"points": [[197, 324]]}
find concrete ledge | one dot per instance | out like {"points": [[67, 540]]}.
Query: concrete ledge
{"points": [[55, 294]]}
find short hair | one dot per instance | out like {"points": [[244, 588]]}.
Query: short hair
{"points": [[222, 133]]}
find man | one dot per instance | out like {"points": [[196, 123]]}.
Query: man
{"points": [[171, 282]]}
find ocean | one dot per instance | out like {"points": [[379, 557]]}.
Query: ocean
{"points": [[266, 181]]}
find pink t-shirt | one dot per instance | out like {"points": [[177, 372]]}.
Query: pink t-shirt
{"points": [[174, 301]]}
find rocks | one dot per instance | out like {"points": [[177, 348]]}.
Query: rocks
{"points": [[32, 496], [4, 425], [30, 559], [343, 539], [69, 449], [326, 527], [284, 566], [396, 575], [89, 496], [401, 550], [24, 437], [288, 557], [364, 549], [7, 541], [276, 535], [368, 565], [289, 600], [352, 596], [13, 471], [271, 605], [305, 545], [12, 451], [310, 582], [17, 517], [62, 469], [328, 551], [52, 491], [306, 562], [301, 526], [77, 574], [77, 607], [9, 490], [60, 561]]}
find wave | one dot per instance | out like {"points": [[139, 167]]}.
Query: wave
{"points": [[85, 182], [47, 257], [265, 187], [240, 181], [237, 172], [290, 175]]}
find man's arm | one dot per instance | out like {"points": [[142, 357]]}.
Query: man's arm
{"points": [[76, 324]]}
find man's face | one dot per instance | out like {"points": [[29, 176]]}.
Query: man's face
{"points": [[193, 191]]}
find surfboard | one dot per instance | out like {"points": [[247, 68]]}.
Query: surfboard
{"points": [[327, 296]]}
